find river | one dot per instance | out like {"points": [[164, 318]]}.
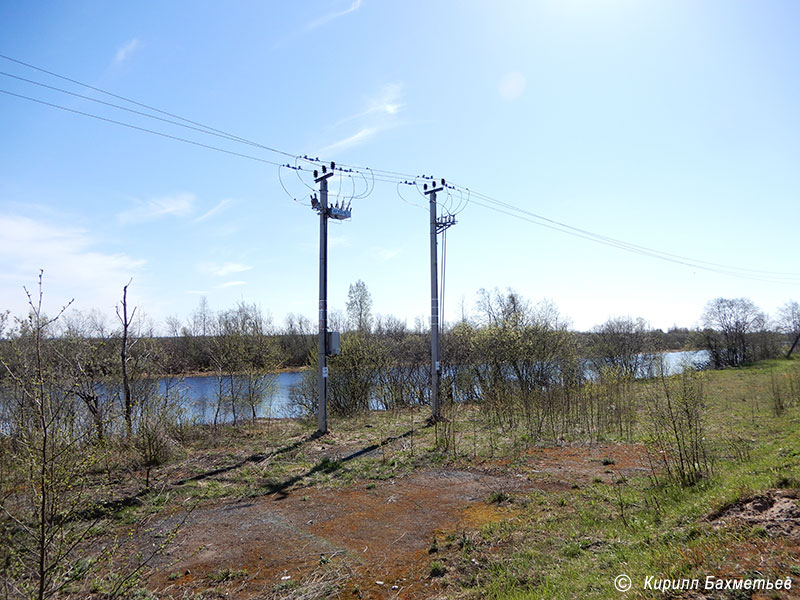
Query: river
{"points": [[199, 393]]}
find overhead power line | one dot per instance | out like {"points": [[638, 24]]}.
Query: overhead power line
{"points": [[147, 106], [369, 175], [199, 128], [521, 214], [144, 129]]}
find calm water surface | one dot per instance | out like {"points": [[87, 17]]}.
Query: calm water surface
{"points": [[200, 393]]}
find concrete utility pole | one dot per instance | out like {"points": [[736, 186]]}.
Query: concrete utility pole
{"points": [[437, 225], [327, 346]]}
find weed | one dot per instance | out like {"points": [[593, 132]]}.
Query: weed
{"points": [[226, 574], [286, 586], [465, 543], [437, 568], [434, 547], [498, 497]]}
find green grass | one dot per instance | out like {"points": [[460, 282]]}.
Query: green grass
{"points": [[573, 544]]}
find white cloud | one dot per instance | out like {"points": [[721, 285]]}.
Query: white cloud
{"points": [[73, 267], [220, 207], [228, 284], [334, 15], [124, 52], [350, 141], [224, 269], [512, 86], [177, 205], [380, 114], [387, 102]]}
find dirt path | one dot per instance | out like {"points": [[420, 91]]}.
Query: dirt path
{"points": [[372, 531], [381, 533]]}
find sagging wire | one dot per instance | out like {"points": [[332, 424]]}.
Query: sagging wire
{"points": [[297, 169], [399, 193], [369, 185], [280, 179], [462, 202]]}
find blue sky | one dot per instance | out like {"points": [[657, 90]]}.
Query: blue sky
{"points": [[670, 125]]}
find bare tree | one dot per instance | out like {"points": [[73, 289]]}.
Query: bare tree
{"points": [[675, 421], [126, 321], [259, 357], [730, 325], [202, 319], [297, 339], [789, 323], [624, 344], [337, 320], [50, 485], [3, 322], [359, 307], [84, 350]]}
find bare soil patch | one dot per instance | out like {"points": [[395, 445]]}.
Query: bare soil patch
{"points": [[567, 465], [377, 532], [777, 511]]}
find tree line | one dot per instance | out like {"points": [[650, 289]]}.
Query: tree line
{"points": [[383, 361]]}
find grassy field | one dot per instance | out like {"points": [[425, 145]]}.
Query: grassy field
{"points": [[386, 506], [573, 544]]}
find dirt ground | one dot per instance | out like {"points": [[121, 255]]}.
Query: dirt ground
{"points": [[377, 534], [777, 511], [374, 538]]}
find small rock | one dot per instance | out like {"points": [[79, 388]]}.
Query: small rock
{"points": [[395, 587], [285, 577], [188, 572], [378, 583]]}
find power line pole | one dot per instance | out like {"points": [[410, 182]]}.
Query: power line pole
{"points": [[328, 345], [437, 225]]}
